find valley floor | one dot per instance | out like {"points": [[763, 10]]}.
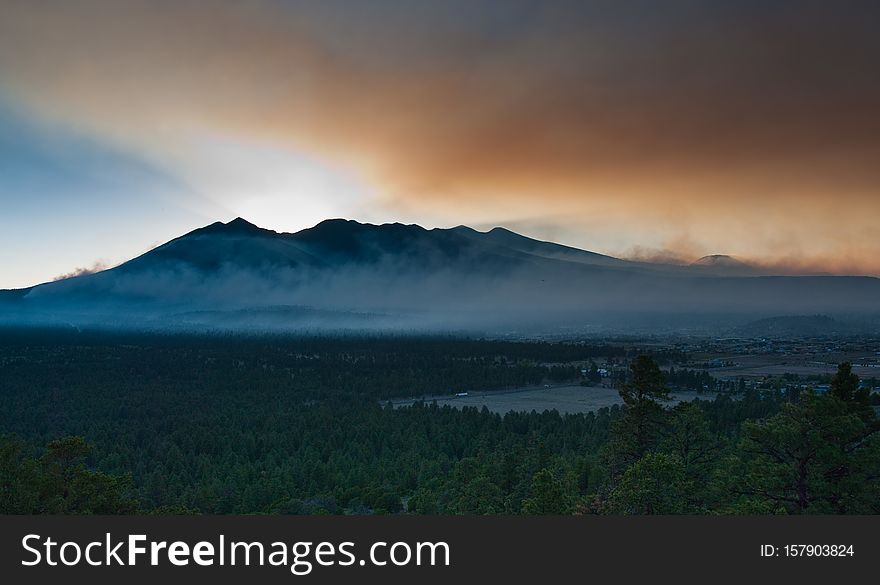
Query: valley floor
{"points": [[564, 398]]}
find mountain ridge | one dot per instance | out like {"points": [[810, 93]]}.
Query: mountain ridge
{"points": [[417, 277]]}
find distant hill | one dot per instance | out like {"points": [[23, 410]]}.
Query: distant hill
{"points": [[794, 326], [406, 276], [718, 260], [724, 265]]}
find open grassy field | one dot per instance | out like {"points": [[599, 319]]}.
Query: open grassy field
{"points": [[865, 365], [563, 398]]}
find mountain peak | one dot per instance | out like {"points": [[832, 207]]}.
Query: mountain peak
{"points": [[719, 260], [240, 223], [238, 226]]}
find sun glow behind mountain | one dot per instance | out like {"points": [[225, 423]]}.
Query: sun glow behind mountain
{"points": [[274, 185], [744, 128]]}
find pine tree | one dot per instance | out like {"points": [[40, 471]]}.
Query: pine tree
{"points": [[845, 386], [638, 431], [815, 456], [655, 484], [548, 496]]}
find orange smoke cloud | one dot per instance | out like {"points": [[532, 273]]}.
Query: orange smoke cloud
{"points": [[748, 129]]}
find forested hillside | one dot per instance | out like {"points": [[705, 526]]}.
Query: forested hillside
{"points": [[118, 423]]}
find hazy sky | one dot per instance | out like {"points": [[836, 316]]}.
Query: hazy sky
{"points": [[640, 128]]}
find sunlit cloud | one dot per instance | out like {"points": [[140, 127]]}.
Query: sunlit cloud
{"points": [[272, 185], [745, 128]]}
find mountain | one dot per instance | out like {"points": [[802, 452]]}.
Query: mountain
{"points": [[719, 260], [341, 273], [724, 265]]}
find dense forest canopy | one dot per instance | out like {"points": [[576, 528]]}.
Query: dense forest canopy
{"points": [[103, 422]]}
